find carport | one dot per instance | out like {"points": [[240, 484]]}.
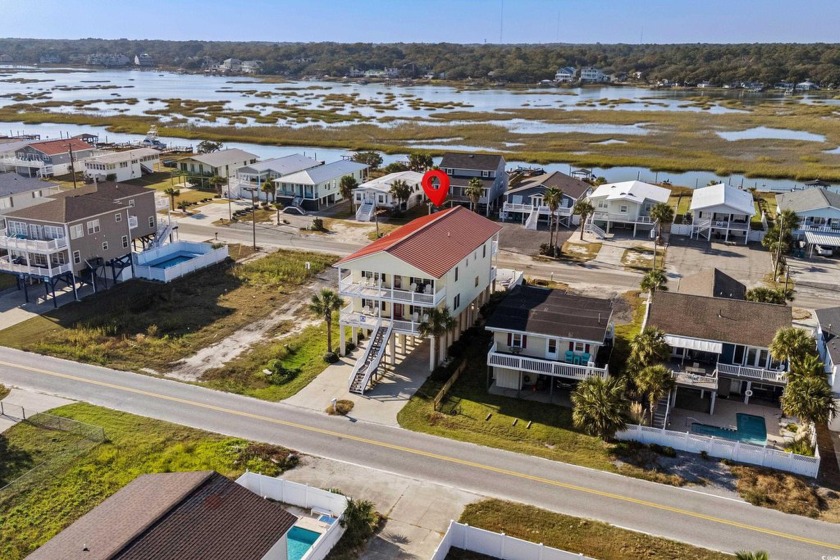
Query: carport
{"points": [[824, 239]]}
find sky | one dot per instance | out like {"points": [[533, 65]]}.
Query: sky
{"points": [[429, 21]]}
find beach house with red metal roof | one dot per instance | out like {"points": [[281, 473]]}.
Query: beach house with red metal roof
{"points": [[443, 260], [51, 157]]}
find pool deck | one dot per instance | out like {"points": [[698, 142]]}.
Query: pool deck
{"points": [[306, 520], [725, 417]]}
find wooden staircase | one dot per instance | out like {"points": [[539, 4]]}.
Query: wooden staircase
{"points": [[368, 363]]}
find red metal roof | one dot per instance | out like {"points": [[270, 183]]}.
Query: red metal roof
{"points": [[434, 243], [55, 147]]}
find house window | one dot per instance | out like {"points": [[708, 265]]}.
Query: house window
{"points": [[151, 221], [485, 173], [456, 303], [517, 340], [125, 241], [484, 251], [93, 227], [104, 245], [456, 273], [579, 347], [5, 203], [77, 231], [552, 345], [450, 171], [117, 217], [623, 208], [476, 281], [131, 202], [77, 257]]}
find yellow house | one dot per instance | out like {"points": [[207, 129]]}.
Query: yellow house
{"points": [[443, 260]]}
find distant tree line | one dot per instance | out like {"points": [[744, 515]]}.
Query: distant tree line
{"points": [[684, 63]]}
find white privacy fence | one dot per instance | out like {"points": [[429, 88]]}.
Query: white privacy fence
{"points": [[497, 545], [725, 449], [206, 256], [303, 496]]}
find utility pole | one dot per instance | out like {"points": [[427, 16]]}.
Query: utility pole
{"points": [[72, 166], [230, 211], [779, 247], [253, 190]]}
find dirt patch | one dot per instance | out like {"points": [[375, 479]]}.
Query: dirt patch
{"points": [[800, 314]]}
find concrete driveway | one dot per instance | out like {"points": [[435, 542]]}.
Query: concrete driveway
{"points": [[748, 264]]}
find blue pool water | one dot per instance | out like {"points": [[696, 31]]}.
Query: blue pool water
{"points": [[751, 429], [172, 260], [299, 541], [328, 519]]}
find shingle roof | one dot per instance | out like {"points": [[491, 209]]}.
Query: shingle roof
{"points": [[224, 157], [72, 205], [55, 147], [183, 516], [433, 243], [12, 183], [712, 282], [809, 199], [282, 165], [723, 195], [482, 162], [719, 319], [574, 188], [830, 324], [632, 190], [322, 173], [530, 309]]}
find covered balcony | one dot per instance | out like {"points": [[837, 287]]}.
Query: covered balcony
{"points": [[398, 289], [573, 369], [366, 318], [31, 267], [27, 243]]}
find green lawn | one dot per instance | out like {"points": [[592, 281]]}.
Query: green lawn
{"points": [[73, 480], [141, 324], [573, 534]]}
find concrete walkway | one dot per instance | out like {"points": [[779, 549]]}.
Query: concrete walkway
{"points": [[382, 403], [418, 511], [20, 403]]}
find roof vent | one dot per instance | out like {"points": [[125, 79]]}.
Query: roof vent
{"points": [[720, 314], [448, 234]]}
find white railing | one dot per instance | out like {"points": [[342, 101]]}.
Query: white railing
{"points": [[533, 219], [595, 230], [375, 290], [494, 247], [23, 162], [203, 260], [162, 203], [306, 497], [544, 367], [24, 243], [725, 449], [497, 545], [702, 225], [493, 272], [516, 207], [731, 225], [824, 228], [8, 265], [607, 216], [754, 373], [365, 212], [696, 380]]}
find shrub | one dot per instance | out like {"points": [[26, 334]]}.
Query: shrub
{"points": [[318, 224], [331, 357], [280, 374], [342, 407]]}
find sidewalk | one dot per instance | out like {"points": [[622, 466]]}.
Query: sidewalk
{"points": [[20, 402], [380, 404]]}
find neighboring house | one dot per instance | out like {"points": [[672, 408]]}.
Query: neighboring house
{"points": [[627, 204], [223, 163], [526, 202], [818, 209], [176, 516], [109, 60], [78, 235], [17, 191], [122, 166], [251, 66], [490, 169], [565, 75], [144, 60], [441, 260], [712, 282], [720, 346], [723, 212], [377, 193], [828, 344], [8, 148], [258, 174], [542, 337], [51, 157], [592, 75], [317, 187]]}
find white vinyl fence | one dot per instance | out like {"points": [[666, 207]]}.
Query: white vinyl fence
{"points": [[497, 545], [303, 496], [206, 256], [681, 229], [725, 449]]}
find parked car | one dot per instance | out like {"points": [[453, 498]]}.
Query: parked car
{"points": [[169, 163], [823, 251], [294, 210]]}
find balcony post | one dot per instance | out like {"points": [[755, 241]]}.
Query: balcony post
{"points": [[342, 346]]}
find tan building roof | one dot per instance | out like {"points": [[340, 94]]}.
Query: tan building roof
{"points": [[712, 283]]}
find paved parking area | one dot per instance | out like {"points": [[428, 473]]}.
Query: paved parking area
{"points": [[749, 264], [516, 239]]}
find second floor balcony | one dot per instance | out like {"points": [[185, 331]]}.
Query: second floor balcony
{"points": [[367, 319], [415, 293], [528, 208], [702, 375], [20, 265], [625, 217], [574, 369], [26, 243]]}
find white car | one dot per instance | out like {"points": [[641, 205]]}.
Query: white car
{"points": [[823, 251]]}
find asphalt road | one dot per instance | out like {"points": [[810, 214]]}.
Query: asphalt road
{"points": [[685, 515]]}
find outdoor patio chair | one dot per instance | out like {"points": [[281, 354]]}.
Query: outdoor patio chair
{"points": [[584, 358], [570, 356]]}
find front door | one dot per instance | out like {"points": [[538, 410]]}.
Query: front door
{"points": [[551, 353], [398, 311]]}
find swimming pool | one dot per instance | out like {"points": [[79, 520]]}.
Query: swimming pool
{"points": [[172, 260], [328, 519], [299, 541], [751, 429]]}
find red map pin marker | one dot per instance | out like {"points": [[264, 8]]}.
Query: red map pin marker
{"points": [[436, 193]]}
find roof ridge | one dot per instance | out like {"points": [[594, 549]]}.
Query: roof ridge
{"points": [[443, 214]]}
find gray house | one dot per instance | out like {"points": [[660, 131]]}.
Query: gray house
{"points": [[52, 157], [18, 191], [489, 169], [84, 235], [527, 201]]}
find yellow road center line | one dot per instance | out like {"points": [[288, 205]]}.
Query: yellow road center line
{"points": [[437, 456]]}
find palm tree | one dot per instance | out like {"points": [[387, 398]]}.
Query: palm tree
{"points": [[323, 305], [216, 181], [654, 280], [744, 555], [809, 398], [345, 187], [437, 323], [552, 198], [648, 348], [662, 214], [599, 406], [269, 188], [655, 382], [584, 209], [474, 191], [807, 366], [172, 193], [791, 344], [400, 191]]}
